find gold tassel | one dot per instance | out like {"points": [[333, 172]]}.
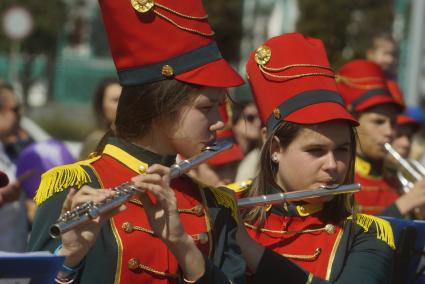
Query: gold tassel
{"points": [[384, 231], [60, 178], [225, 199]]}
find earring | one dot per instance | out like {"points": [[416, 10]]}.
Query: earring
{"points": [[274, 158]]}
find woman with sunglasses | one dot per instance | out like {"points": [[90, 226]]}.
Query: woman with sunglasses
{"points": [[174, 231], [310, 144]]}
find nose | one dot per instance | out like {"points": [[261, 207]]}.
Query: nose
{"points": [[330, 162], [388, 131], [216, 121]]}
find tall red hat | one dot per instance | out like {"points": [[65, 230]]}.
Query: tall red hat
{"points": [[291, 80], [153, 40], [363, 85], [235, 153], [4, 180]]}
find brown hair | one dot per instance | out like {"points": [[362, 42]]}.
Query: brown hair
{"points": [[139, 105], [336, 210]]}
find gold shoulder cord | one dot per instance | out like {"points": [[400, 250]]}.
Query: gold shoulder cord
{"points": [[144, 6], [263, 55], [355, 82]]}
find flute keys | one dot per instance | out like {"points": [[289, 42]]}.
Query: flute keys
{"points": [[133, 263], [127, 227], [330, 229]]}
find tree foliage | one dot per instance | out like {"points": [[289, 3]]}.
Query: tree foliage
{"points": [[49, 17], [225, 17], [346, 27]]}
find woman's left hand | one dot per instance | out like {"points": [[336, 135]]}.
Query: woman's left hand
{"points": [[164, 219], [162, 213]]}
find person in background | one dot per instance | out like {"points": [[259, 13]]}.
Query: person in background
{"points": [[247, 129], [105, 102], [172, 231], [383, 51], [34, 161], [310, 143], [363, 86], [13, 221]]}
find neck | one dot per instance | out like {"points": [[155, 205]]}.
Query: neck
{"points": [[155, 142]]}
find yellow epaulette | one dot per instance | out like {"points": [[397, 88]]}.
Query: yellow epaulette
{"points": [[384, 231], [362, 167], [62, 177], [226, 198], [240, 186]]}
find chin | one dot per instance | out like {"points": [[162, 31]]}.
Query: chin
{"points": [[319, 200]]}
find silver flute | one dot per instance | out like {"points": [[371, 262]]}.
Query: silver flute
{"points": [[276, 198], [123, 192]]}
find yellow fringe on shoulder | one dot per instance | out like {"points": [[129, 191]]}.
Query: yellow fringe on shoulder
{"points": [[60, 178], [225, 199], [384, 231]]}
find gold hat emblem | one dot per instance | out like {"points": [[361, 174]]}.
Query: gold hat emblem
{"points": [[167, 70], [263, 55], [142, 6], [276, 113]]}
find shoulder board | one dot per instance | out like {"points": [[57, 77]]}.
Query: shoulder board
{"points": [[382, 227], [362, 167], [62, 177], [240, 186], [226, 198]]}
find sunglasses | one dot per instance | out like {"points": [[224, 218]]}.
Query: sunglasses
{"points": [[250, 117]]}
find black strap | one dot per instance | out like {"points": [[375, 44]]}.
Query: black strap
{"points": [[368, 94], [302, 100], [180, 64]]}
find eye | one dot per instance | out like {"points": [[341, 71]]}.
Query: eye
{"points": [[317, 152]]}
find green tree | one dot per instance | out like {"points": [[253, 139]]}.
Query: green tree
{"points": [[345, 27], [225, 17], [49, 17]]}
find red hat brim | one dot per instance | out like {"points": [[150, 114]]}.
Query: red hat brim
{"points": [[321, 112], [4, 180], [403, 119], [234, 154], [217, 73]]}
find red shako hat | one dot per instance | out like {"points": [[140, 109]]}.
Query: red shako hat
{"points": [[363, 85], [402, 119], [235, 153], [154, 40], [291, 80]]}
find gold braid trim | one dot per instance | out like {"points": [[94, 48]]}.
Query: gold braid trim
{"points": [[60, 178], [181, 14], [384, 231], [182, 27], [285, 77], [354, 82]]}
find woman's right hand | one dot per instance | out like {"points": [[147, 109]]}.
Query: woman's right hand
{"points": [[77, 242], [413, 199]]}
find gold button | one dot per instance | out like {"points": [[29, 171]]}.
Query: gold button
{"points": [[198, 210], [276, 113], [263, 55], [330, 229], [167, 70], [203, 238], [142, 6], [133, 263], [127, 227]]}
